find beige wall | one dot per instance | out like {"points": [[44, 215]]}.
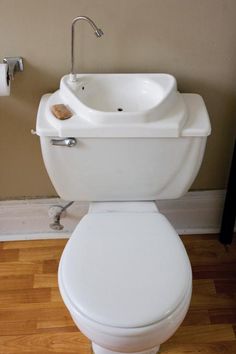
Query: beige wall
{"points": [[195, 40]]}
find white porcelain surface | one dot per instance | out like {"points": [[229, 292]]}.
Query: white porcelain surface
{"points": [[187, 117], [145, 161], [124, 275], [124, 207], [112, 340], [116, 98], [130, 340], [123, 169], [111, 246], [99, 350], [125, 269]]}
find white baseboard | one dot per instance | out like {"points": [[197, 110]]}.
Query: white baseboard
{"points": [[195, 213]]}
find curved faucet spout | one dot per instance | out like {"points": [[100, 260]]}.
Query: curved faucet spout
{"points": [[97, 31]]}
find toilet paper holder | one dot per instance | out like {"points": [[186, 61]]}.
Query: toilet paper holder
{"points": [[15, 64]]}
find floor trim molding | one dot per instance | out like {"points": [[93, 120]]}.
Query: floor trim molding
{"points": [[196, 213]]}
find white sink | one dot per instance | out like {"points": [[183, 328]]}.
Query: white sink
{"points": [[119, 98]]}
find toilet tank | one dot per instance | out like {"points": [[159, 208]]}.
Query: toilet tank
{"points": [[143, 161]]}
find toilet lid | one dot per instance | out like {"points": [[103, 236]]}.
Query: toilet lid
{"points": [[125, 269]]}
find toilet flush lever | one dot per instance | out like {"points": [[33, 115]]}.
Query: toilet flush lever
{"points": [[67, 142]]}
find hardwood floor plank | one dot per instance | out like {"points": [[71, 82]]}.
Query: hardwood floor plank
{"points": [[59, 329], [196, 317], [45, 280], [50, 266], [20, 268], [210, 302], [45, 343], [9, 255], [39, 254], [24, 296], [204, 334], [228, 347], [17, 327], [13, 282], [225, 315], [217, 271], [204, 286], [36, 311], [66, 322], [225, 286], [34, 244], [32, 306], [205, 297], [210, 252], [191, 239], [55, 295]]}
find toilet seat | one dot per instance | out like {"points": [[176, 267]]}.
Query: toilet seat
{"points": [[125, 270]]}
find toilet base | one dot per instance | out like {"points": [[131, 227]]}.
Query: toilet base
{"points": [[99, 350]]}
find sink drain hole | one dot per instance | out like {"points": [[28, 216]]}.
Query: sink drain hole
{"points": [[119, 109]]}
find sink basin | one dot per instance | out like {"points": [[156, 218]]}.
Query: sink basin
{"points": [[119, 98]]}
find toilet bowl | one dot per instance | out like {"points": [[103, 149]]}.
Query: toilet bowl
{"points": [[125, 277]]}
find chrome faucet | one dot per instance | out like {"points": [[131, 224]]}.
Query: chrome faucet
{"points": [[97, 31]]}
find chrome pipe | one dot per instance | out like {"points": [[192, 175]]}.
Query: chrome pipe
{"points": [[97, 31]]}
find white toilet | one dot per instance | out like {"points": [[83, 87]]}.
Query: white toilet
{"points": [[124, 274]]}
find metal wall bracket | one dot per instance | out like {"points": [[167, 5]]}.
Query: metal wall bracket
{"points": [[15, 64]]}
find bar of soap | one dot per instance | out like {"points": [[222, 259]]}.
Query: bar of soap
{"points": [[60, 111]]}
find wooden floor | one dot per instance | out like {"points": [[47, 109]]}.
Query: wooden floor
{"points": [[33, 318]]}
